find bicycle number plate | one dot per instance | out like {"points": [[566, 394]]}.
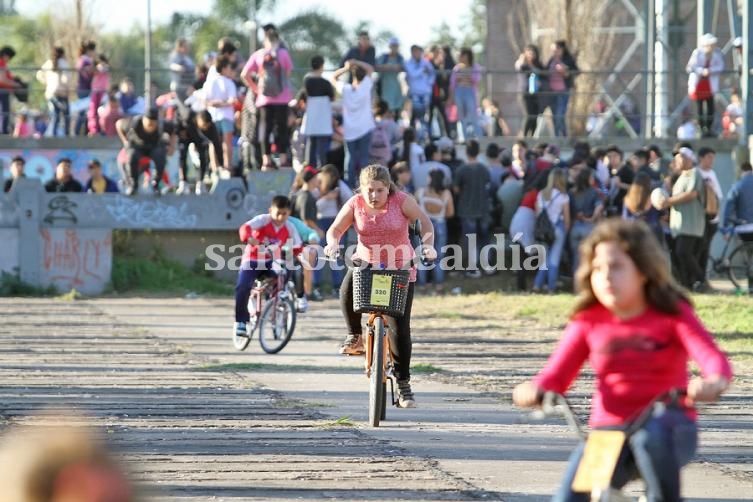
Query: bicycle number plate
{"points": [[381, 285], [599, 460]]}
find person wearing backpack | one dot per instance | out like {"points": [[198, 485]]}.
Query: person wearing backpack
{"points": [[267, 74], [712, 203], [555, 203]]}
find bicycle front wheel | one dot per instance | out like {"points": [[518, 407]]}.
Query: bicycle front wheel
{"points": [[377, 387], [741, 266], [276, 324]]}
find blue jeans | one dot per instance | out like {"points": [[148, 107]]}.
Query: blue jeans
{"points": [[578, 232], [440, 241], [80, 129], [553, 255], [465, 100], [480, 228], [559, 111], [337, 273], [357, 157], [316, 150], [246, 278], [656, 453], [420, 104], [60, 115]]}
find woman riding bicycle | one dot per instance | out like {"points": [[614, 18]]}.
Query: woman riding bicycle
{"points": [[637, 328], [381, 215]]}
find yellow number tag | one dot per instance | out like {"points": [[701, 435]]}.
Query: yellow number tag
{"points": [[599, 460], [381, 285]]}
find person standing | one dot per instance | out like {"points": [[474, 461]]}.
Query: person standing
{"points": [[317, 120], [420, 75], [687, 219], [54, 76], [705, 65], [358, 117], [441, 59], [464, 81], [706, 158], [471, 186], [363, 51], [267, 75], [562, 69], [182, 69], [7, 85], [85, 68], [17, 164], [530, 83], [389, 66], [555, 201], [221, 97]]}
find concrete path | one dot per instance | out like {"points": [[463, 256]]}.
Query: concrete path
{"points": [[198, 421]]}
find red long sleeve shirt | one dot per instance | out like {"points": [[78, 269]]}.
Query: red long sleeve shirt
{"points": [[634, 360], [264, 229]]}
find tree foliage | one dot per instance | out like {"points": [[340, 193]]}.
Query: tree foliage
{"points": [[314, 32]]}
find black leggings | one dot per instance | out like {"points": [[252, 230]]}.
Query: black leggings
{"points": [[400, 342], [533, 110], [706, 120]]}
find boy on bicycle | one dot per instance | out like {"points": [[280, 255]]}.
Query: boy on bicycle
{"points": [[258, 257]]}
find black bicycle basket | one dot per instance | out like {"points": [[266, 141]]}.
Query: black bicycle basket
{"points": [[376, 290]]}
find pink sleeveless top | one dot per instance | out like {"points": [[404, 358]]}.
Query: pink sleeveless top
{"points": [[383, 237]]}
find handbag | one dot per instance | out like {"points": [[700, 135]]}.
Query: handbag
{"points": [[702, 89], [543, 231]]}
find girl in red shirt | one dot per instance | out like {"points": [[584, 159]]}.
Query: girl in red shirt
{"points": [[637, 329]]}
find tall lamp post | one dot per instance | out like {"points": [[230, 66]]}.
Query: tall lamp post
{"points": [[148, 56]]}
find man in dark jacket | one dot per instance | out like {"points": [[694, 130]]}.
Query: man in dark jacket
{"points": [[63, 180]]}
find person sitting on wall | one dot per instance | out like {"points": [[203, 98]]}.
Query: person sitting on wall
{"points": [[98, 182], [63, 180], [16, 171], [146, 136]]}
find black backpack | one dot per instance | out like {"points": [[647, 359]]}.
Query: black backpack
{"points": [[271, 81], [543, 231]]}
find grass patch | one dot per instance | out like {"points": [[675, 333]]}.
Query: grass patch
{"points": [[425, 368], [344, 421], [12, 285], [160, 274]]}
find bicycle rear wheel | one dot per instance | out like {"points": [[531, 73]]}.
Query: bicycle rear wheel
{"points": [[377, 387], [741, 266], [276, 324]]}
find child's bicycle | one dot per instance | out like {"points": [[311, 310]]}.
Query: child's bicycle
{"points": [[603, 448], [738, 264], [276, 318]]}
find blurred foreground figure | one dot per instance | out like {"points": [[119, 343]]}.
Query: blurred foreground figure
{"points": [[59, 459]]}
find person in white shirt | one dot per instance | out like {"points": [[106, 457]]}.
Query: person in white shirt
{"points": [[54, 75], [358, 117], [221, 94], [706, 157]]}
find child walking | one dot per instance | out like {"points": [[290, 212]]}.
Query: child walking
{"points": [[637, 328]]}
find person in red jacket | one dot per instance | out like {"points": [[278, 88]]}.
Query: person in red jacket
{"points": [[637, 329], [262, 244]]}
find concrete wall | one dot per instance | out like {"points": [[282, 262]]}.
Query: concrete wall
{"points": [[65, 239]]}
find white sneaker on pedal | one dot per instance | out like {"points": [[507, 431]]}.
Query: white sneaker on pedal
{"points": [[240, 329], [302, 304], [405, 397], [199, 188]]}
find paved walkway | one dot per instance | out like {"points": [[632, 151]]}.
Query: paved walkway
{"points": [[198, 421]]}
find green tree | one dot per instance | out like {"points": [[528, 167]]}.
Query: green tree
{"points": [[443, 36], [313, 32]]}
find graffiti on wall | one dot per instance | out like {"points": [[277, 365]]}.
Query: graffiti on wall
{"points": [[76, 259], [137, 213], [60, 208]]}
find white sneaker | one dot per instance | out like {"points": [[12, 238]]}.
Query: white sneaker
{"points": [[490, 271], [473, 274], [182, 188], [302, 304], [199, 188]]}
